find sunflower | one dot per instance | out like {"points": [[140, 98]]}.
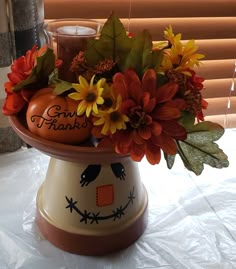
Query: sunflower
{"points": [[179, 56], [89, 95], [112, 119]]}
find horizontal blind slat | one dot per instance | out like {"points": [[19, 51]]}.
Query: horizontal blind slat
{"points": [[216, 69], [190, 28], [216, 88], [225, 120], [217, 48], [218, 106], [140, 8]]}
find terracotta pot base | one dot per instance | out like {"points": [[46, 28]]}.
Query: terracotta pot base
{"points": [[92, 201], [90, 245]]}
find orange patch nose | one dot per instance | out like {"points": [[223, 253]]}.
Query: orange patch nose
{"points": [[104, 195]]}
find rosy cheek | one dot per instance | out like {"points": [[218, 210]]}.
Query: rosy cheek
{"points": [[105, 195]]}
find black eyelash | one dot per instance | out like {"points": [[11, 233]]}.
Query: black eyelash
{"points": [[118, 170], [90, 174]]}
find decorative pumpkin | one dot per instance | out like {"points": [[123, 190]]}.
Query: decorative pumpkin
{"points": [[54, 117]]}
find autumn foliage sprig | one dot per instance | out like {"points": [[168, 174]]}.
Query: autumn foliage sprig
{"points": [[143, 98]]}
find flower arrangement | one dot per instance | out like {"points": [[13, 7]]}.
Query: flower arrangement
{"points": [[141, 98]]}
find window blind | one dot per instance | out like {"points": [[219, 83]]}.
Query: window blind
{"points": [[211, 23]]}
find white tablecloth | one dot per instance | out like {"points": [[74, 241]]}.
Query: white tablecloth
{"points": [[192, 220]]}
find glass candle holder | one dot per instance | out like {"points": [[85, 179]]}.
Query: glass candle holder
{"points": [[67, 37]]}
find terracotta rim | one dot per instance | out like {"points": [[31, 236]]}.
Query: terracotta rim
{"points": [[58, 150], [91, 245]]}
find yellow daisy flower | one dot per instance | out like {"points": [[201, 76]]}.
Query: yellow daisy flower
{"points": [[111, 119], [108, 96], [181, 56], [89, 95], [171, 37]]}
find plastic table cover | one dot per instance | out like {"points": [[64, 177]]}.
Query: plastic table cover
{"points": [[191, 222]]}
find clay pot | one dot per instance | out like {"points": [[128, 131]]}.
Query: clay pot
{"points": [[92, 201]]}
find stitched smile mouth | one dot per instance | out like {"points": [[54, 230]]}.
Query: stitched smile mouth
{"points": [[95, 217]]}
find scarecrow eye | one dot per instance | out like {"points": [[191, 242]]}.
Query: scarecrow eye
{"points": [[90, 174], [118, 170]]}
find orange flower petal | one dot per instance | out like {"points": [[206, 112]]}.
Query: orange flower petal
{"points": [[166, 92], [137, 152], [148, 103], [13, 104], [153, 154], [126, 105], [178, 103], [149, 81], [105, 143], [123, 139], [145, 132], [30, 57], [174, 129], [137, 139], [9, 86], [120, 86], [166, 143], [122, 150], [204, 104], [166, 112], [156, 128], [16, 77], [134, 85]]}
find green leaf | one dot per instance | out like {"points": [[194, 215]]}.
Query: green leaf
{"points": [[39, 75], [141, 57], [45, 64], [187, 120], [200, 148], [113, 43], [170, 159], [61, 86], [161, 79]]}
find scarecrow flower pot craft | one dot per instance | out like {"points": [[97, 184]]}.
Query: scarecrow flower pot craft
{"points": [[98, 100]]}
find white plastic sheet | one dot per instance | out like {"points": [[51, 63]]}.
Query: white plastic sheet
{"points": [[192, 220]]}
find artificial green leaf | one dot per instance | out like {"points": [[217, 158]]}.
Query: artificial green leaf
{"points": [[61, 86], [45, 64], [113, 43], [187, 120], [141, 57], [170, 159], [200, 148], [40, 73], [157, 57], [161, 79]]}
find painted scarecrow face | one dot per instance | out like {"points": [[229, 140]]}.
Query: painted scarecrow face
{"points": [[111, 192]]}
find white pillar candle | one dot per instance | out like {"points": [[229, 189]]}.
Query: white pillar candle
{"points": [[76, 30]]}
